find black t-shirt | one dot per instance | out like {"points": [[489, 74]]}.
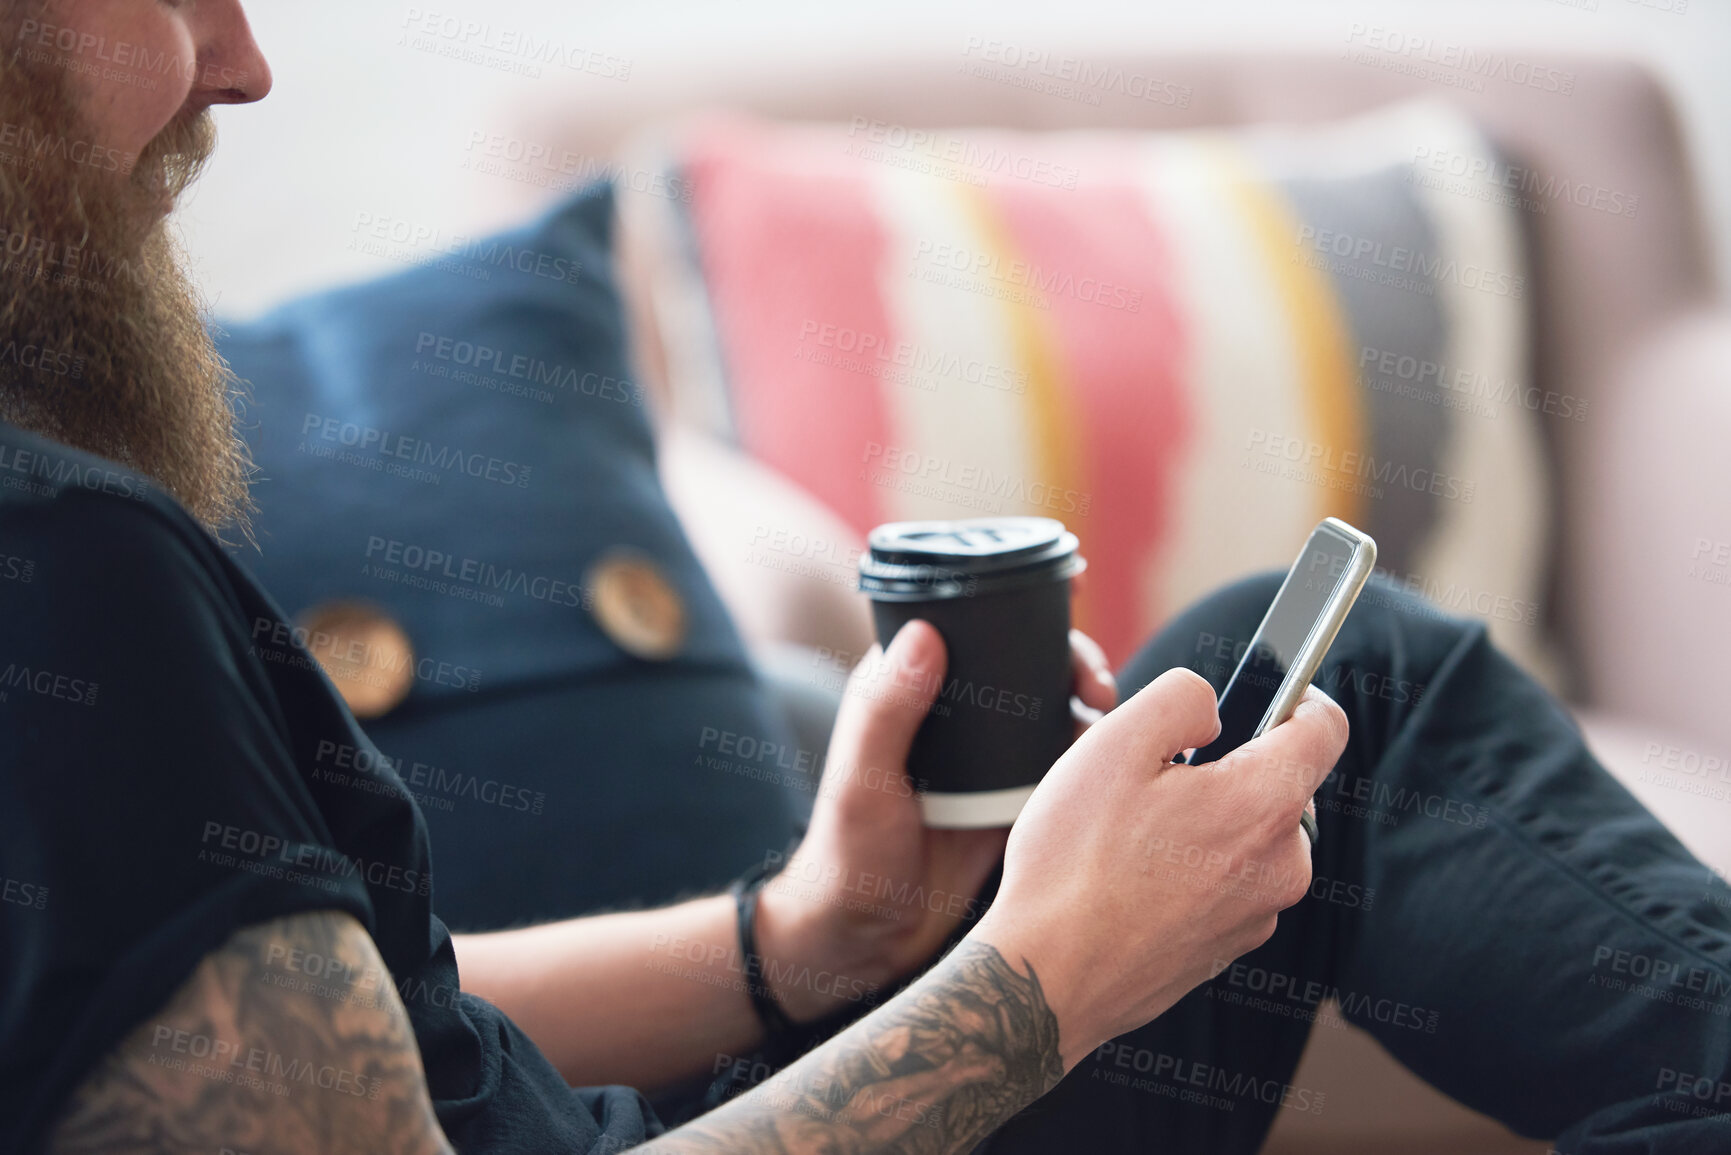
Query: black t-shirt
{"points": [[161, 787]]}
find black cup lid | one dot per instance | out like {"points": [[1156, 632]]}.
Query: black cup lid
{"points": [[946, 559]]}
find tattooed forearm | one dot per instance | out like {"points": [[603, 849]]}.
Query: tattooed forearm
{"points": [[937, 1070], [290, 1037]]}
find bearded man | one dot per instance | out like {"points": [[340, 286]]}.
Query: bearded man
{"points": [[203, 947]]}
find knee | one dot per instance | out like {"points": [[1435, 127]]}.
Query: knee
{"points": [[1208, 636], [1219, 626], [1389, 619], [1211, 635]]}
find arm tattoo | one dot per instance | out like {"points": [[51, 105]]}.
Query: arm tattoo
{"points": [[289, 1037], [935, 1071]]}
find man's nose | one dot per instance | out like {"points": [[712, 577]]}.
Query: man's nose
{"points": [[231, 67]]}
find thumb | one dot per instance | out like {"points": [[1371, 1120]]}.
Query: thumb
{"points": [[887, 697]]}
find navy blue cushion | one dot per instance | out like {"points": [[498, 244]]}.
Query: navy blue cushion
{"points": [[458, 444]]}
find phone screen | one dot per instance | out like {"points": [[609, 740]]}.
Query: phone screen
{"points": [[1303, 597]]}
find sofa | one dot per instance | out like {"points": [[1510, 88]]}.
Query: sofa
{"points": [[1625, 313]]}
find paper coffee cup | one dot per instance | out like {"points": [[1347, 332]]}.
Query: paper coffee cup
{"points": [[998, 590]]}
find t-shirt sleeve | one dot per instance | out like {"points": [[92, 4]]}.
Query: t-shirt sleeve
{"points": [[149, 805]]}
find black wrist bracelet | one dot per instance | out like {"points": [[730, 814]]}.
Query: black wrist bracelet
{"points": [[779, 1031], [783, 1045]]}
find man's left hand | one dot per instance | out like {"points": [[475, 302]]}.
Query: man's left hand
{"points": [[873, 892]]}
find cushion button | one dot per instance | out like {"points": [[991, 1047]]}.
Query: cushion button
{"points": [[363, 651], [636, 605]]}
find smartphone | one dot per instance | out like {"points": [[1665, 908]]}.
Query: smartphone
{"points": [[1294, 637]]}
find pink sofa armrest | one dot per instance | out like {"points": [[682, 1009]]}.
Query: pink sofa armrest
{"points": [[1657, 583]]}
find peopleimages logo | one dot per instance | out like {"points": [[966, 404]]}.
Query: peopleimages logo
{"points": [[936, 260], [41, 358], [875, 355], [1448, 62], [483, 254], [1325, 465], [969, 157], [1067, 77], [962, 479], [392, 451], [80, 152], [1420, 373], [407, 557], [459, 38], [434, 787], [359, 653], [256, 1068], [1169, 1072], [70, 264], [127, 60], [57, 471], [1370, 255], [486, 359], [23, 893], [224, 844], [1539, 188], [1278, 988], [47, 684], [542, 165], [752, 969]]}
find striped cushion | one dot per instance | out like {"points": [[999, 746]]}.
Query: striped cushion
{"points": [[1189, 347]]}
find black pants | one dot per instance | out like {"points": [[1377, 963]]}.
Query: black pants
{"points": [[1488, 902]]}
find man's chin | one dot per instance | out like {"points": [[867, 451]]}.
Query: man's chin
{"points": [[152, 391], [149, 206]]}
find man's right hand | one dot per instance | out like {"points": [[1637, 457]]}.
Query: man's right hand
{"points": [[1128, 876], [1125, 878]]}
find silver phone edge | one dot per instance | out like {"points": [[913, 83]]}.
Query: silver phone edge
{"points": [[1322, 634]]}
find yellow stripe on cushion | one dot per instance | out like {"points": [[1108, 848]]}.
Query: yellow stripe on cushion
{"points": [[953, 438], [1242, 377], [1320, 341], [1054, 440]]}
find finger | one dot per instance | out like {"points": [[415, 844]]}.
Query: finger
{"points": [[1082, 716], [963, 858], [960, 863], [1095, 684], [887, 697], [1173, 712], [1293, 759]]}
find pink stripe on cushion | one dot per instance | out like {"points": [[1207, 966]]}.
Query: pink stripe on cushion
{"points": [[790, 247], [1124, 366]]}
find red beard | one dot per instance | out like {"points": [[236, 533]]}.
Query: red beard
{"points": [[103, 340]]}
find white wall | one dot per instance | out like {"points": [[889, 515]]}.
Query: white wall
{"points": [[361, 123]]}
